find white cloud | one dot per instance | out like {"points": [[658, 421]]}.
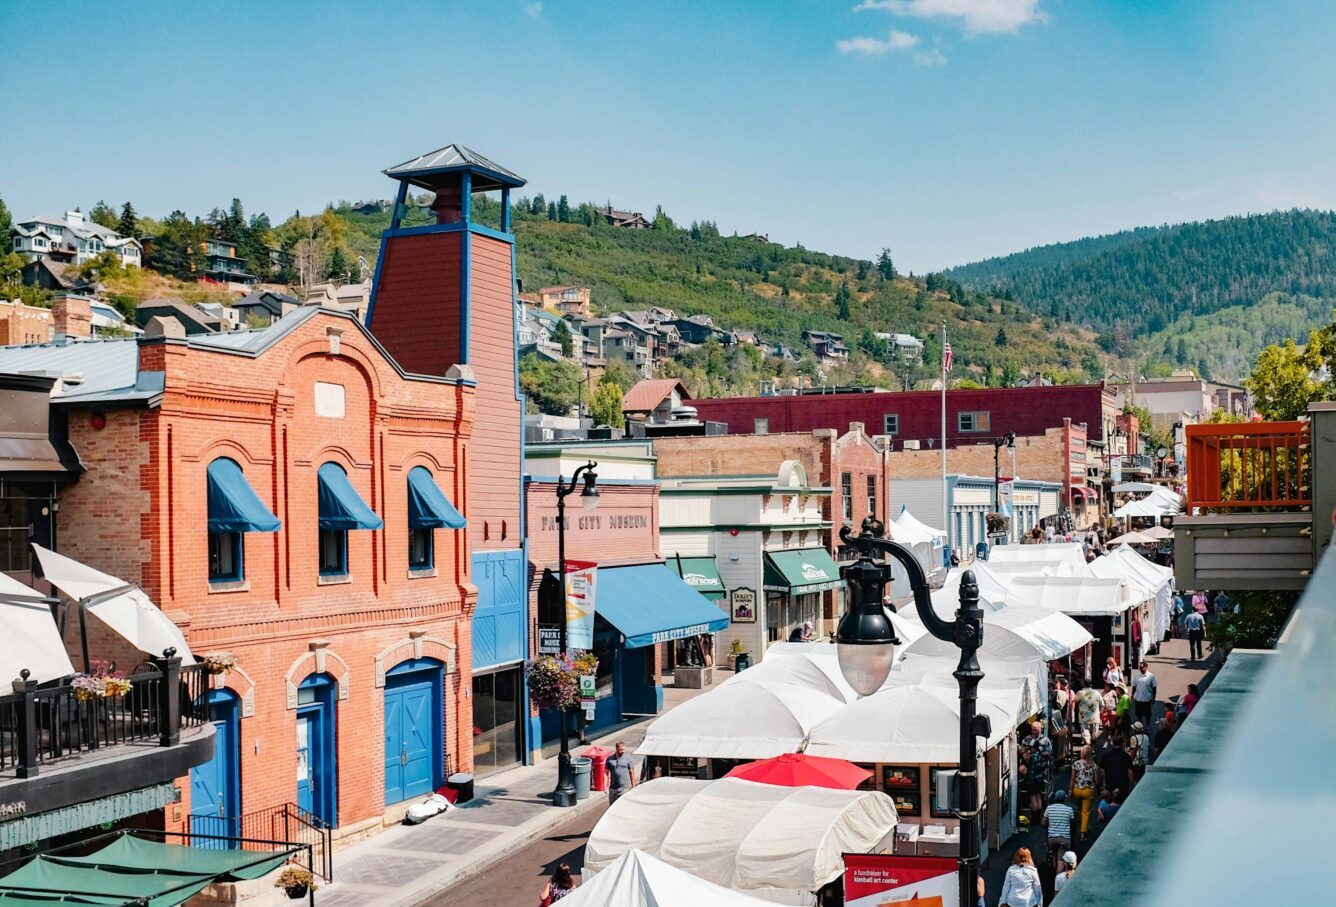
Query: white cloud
{"points": [[875, 47], [534, 9], [976, 17], [931, 57]]}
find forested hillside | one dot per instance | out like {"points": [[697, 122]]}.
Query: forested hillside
{"points": [[1202, 283]]}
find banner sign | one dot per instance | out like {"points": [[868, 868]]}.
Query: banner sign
{"points": [[581, 579], [887, 880]]}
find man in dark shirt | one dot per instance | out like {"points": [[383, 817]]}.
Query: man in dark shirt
{"points": [[621, 773], [1116, 766]]}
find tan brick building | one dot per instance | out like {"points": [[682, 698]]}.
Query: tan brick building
{"points": [[21, 323]]}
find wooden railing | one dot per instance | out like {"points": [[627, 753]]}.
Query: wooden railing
{"points": [[1249, 466]]}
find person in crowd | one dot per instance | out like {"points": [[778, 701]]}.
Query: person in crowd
{"points": [[1221, 605], [1124, 709], [1112, 673], [1081, 786], [981, 889], [1049, 533], [1115, 766], [1190, 699], [1058, 820], [1144, 688], [1037, 754], [1180, 611], [802, 632], [621, 773], [1138, 749], [1057, 732], [1194, 625], [1110, 809], [1088, 705], [955, 559], [1166, 728], [1020, 887], [1108, 708], [559, 886], [1064, 872]]}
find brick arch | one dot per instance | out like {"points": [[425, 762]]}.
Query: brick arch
{"points": [[427, 459], [319, 348], [222, 446], [335, 453], [320, 660], [240, 684], [417, 645]]}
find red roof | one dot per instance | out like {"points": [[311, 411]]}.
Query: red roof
{"points": [[648, 394]]}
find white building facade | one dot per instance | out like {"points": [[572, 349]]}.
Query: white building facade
{"points": [[73, 239]]}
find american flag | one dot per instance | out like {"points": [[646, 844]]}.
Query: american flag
{"points": [[946, 357]]}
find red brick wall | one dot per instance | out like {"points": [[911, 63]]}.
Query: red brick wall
{"points": [[1024, 410], [260, 412]]}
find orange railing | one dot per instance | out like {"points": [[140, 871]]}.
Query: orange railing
{"points": [[1259, 466]]}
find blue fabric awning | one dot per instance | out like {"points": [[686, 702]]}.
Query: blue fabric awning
{"points": [[650, 604], [233, 504], [428, 507], [341, 507]]}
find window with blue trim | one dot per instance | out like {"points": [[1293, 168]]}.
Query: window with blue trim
{"points": [[226, 557]]}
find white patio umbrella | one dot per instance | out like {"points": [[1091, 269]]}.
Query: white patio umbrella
{"points": [[123, 607], [1158, 533], [30, 639], [1132, 538]]}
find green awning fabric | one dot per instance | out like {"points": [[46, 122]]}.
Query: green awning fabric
{"points": [[102, 886], [428, 507], [132, 854], [800, 571], [701, 574], [62, 821], [341, 507], [10, 899], [233, 504]]}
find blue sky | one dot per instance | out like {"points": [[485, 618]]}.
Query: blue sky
{"points": [[948, 130]]}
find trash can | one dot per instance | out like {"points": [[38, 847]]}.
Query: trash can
{"points": [[598, 773], [741, 661], [580, 767], [462, 782]]}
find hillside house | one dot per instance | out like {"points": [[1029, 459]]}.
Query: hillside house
{"points": [[569, 300], [73, 239], [49, 274], [905, 347], [696, 329], [827, 345], [654, 400], [261, 308], [631, 220]]}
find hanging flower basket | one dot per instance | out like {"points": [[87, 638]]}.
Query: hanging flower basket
{"points": [[100, 682], [219, 662], [554, 680], [997, 523]]}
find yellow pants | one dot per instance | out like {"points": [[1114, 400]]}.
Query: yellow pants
{"points": [[1086, 797]]}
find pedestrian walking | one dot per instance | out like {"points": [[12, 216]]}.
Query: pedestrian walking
{"points": [[1037, 756], [1058, 821], [1165, 731], [1064, 872], [1115, 766], [1195, 625], [1113, 674], [1021, 886], [1144, 688], [559, 886], [1058, 733], [621, 773], [1088, 705], [1124, 709], [1180, 611], [1190, 699], [1221, 606], [1081, 786], [1138, 749], [1110, 809]]}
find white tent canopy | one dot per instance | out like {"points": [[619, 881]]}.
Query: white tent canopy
{"points": [[805, 664], [636, 879], [909, 722], [923, 540], [1132, 538], [992, 587], [30, 640], [1062, 558], [778, 843], [1133, 488], [1146, 507], [121, 606], [1016, 632], [740, 720], [1128, 564], [1084, 596]]}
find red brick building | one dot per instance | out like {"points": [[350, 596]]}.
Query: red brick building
{"points": [[972, 416], [343, 634]]}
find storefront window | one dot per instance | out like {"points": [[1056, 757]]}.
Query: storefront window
{"points": [[495, 730]]}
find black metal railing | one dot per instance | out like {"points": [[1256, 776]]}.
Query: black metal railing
{"points": [[288, 822], [40, 726]]}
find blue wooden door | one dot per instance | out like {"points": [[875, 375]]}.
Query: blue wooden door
{"points": [[317, 770], [305, 762], [412, 731], [215, 788]]}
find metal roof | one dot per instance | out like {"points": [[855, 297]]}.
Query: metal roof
{"points": [[455, 158], [109, 370]]}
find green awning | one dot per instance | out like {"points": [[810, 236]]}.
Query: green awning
{"points": [[701, 574], [56, 822], [132, 853], [42, 875], [801, 570]]}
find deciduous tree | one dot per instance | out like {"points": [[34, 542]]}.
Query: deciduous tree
{"points": [[606, 405]]}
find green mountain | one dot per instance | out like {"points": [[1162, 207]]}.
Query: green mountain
{"points": [[778, 291], [1207, 283]]}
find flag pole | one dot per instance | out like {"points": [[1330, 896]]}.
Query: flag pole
{"points": [[946, 517]]}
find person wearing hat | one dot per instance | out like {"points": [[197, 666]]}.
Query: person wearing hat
{"points": [[1138, 748], [1065, 870], [802, 632], [1058, 820]]}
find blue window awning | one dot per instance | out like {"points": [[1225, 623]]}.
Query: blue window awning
{"points": [[428, 507], [233, 504], [650, 604], [341, 507]]}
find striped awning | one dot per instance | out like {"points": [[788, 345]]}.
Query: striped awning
{"points": [[78, 816]]}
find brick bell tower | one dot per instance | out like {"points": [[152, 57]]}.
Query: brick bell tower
{"points": [[445, 294]]}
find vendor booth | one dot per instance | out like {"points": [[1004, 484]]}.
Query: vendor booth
{"points": [[1107, 608], [925, 542], [1128, 564], [783, 844], [1059, 558]]}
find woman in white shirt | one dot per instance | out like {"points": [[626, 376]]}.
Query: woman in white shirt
{"points": [[1112, 674], [1065, 874], [1021, 887]]}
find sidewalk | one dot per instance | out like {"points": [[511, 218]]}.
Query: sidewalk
{"points": [[405, 865]]}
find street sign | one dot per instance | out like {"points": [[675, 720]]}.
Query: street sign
{"points": [[549, 640], [588, 689]]}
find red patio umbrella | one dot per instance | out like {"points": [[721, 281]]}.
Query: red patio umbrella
{"points": [[799, 770]]}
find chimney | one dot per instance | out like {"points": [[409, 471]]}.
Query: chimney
{"points": [[74, 217], [72, 317]]}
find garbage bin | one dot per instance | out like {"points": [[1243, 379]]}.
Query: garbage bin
{"points": [[580, 767], [462, 782], [598, 773], [741, 661]]}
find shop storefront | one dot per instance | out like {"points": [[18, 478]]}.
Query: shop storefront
{"points": [[794, 581], [702, 575]]}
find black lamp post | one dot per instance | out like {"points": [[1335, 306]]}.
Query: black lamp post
{"points": [[866, 642], [1007, 440], [564, 795]]}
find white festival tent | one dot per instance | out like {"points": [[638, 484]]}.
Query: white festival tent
{"points": [[992, 587], [1158, 533], [923, 540], [781, 844], [30, 640], [1077, 596], [1016, 631], [1131, 538], [1133, 488], [806, 664], [123, 607], [1124, 562], [1061, 558], [636, 879], [740, 720]]}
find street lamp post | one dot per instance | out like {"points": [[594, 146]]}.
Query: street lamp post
{"points": [[564, 795], [865, 647], [1007, 440]]}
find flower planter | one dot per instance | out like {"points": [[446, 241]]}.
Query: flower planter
{"points": [[296, 892]]}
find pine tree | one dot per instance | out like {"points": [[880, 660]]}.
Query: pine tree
{"points": [[551, 210], [1181, 354], [842, 296], [885, 267], [563, 337], [128, 225], [538, 205], [338, 265], [862, 271], [1001, 338], [563, 210]]}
